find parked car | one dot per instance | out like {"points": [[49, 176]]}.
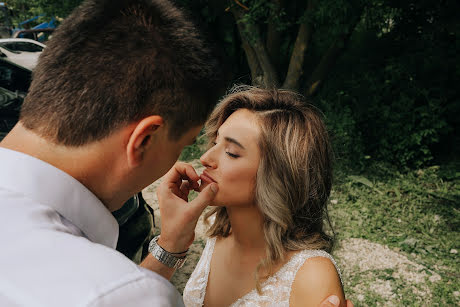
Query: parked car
{"points": [[14, 84], [40, 35], [22, 51]]}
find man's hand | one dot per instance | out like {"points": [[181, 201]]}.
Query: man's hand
{"points": [[178, 216], [334, 301]]}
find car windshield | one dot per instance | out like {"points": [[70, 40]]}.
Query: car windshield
{"points": [[22, 46]]}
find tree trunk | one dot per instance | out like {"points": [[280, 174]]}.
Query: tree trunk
{"points": [[251, 57], [297, 60], [329, 58], [273, 33], [270, 78], [256, 72]]}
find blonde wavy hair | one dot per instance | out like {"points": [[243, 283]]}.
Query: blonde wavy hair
{"points": [[294, 177]]}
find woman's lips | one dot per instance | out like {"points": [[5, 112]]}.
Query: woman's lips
{"points": [[205, 178]]}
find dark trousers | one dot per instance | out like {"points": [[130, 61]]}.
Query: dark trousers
{"points": [[136, 232]]}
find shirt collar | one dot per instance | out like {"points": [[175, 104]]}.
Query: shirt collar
{"points": [[52, 187]]}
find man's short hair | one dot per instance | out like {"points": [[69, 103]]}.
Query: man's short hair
{"points": [[112, 62]]}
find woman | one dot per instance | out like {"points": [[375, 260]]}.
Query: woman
{"points": [[271, 159]]}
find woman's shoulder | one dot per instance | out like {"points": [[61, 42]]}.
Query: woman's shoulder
{"points": [[317, 278], [319, 256]]}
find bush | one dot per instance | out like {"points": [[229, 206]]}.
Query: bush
{"points": [[402, 120], [396, 103], [344, 134], [194, 151]]}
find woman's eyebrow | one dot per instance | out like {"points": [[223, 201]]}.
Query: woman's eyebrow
{"points": [[232, 140]]}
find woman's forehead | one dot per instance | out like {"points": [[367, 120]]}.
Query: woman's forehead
{"points": [[242, 125]]}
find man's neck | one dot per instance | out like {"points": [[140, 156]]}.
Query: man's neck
{"points": [[92, 165]]}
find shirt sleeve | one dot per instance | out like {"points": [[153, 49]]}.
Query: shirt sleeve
{"points": [[150, 289]]}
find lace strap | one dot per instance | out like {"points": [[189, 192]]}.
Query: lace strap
{"points": [[195, 289], [277, 288], [209, 251], [307, 254]]}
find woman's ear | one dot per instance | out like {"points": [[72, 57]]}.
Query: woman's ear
{"points": [[140, 139]]}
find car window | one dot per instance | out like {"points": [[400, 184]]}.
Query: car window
{"points": [[22, 46], [44, 36], [14, 78]]}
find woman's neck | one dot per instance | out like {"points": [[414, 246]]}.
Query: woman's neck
{"points": [[247, 228]]}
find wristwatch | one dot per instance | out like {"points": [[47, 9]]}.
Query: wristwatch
{"points": [[164, 256]]}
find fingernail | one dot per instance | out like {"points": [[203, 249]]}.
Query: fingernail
{"points": [[214, 188], [334, 300]]}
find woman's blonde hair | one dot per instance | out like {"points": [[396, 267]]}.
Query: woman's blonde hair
{"points": [[294, 177]]}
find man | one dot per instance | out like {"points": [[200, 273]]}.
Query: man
{"points": [[120, 89]]}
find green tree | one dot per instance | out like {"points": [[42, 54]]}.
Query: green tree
{"points": [[384, 71], [290, 44], [25, 9]]}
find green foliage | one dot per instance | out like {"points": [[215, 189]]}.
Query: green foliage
{"points": [[403, 120], [401, 74], [57, 8], [344, 133], [194, 151], [391, 97], [25, 9]]}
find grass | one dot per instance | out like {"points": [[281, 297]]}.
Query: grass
{"points": [[415, 213]]}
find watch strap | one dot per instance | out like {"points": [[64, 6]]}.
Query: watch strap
{"points": [[165, 257]]}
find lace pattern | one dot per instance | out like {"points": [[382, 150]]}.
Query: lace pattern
{"points": [[276, 289], [195, 289]]}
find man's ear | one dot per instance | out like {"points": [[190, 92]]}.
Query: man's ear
{"points": [[140, 139]]}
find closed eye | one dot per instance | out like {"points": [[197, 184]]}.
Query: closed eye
{"points": [[232, 155]]}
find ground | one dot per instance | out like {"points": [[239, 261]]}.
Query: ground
{"points": [[381, 264]]}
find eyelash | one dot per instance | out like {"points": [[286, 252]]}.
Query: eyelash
{"points": [[233, 156]]}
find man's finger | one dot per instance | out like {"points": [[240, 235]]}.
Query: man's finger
{"points": [[182, 171], [202, 186], [331, 301], [349, 303], [203, 200], [185, 189]]}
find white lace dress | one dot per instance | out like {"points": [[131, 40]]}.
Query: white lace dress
{"points": [[276, 289]]}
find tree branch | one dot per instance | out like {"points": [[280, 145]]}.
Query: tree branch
{"points": [[270, 78], [242, 5], [273, 34], [251, 58], [329, 58], [253, 62], [296, 62]]}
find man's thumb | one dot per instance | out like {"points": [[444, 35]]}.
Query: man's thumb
{"points": [[331, 301], [205, 197]]}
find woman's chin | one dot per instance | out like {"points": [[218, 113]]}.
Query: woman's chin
{"points": [[217, 201]]}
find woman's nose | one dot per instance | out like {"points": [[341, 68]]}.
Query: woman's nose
{"points": [[207, 160]]}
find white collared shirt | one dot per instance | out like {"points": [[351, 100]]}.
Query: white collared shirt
{"points": [[57, 244]]}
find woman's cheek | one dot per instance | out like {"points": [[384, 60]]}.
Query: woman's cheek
{"points": [[237, 195], [224, 197]]}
